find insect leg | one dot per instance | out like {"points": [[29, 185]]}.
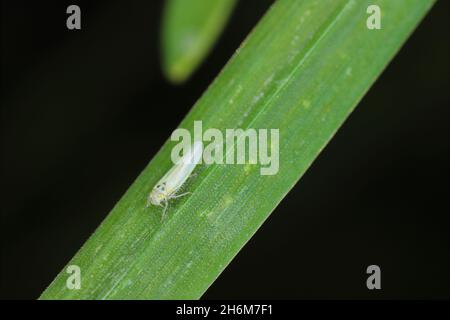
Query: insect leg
{"points": [[180, 195], [148, 202], [164, 210]]}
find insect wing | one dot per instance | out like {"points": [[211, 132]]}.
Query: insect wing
{"points": [[179, 173]]}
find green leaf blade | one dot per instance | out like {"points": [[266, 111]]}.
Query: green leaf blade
{"points": [[302, 70]]}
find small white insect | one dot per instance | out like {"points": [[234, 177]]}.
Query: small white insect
{"points": [[173, 180]]}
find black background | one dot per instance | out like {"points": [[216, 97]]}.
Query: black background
{"points": [[84, 111]]}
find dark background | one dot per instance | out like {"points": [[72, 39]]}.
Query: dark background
{"points": [[84, 111]]}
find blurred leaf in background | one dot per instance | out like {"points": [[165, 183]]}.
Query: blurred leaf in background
{"points": [[189, 30]]}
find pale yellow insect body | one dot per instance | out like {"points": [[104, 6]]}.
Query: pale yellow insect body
{"points": [[168, 186]]}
